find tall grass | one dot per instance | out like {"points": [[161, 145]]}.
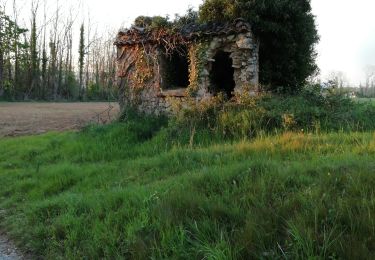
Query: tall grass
{"points": [[247, 116], [148, 188]]}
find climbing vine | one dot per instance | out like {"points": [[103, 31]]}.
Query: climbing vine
{"points": [[144, 69], [197, 55]]}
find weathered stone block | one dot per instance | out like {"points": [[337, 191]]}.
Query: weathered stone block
{"points": [[245, 43]]}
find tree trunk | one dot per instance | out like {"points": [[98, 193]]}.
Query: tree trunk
{"points": [[1, 60], [1, 72]]}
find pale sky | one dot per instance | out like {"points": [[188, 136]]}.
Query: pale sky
{"points": [[347, 31], [346, 27]]}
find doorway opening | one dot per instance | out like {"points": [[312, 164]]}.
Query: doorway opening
{"points": [[222, 74]]}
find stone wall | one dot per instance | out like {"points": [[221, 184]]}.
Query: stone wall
{"points": [[139, 72], [244, 51]]}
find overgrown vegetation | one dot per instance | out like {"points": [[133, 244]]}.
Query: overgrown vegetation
{"points": [[160, 22], [218, 187], [247, 116], [287, 32]]}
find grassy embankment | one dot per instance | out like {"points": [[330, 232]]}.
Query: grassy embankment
{"points": [[134, 190]]}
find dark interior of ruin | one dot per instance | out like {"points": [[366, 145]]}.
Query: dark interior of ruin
{"points": [[222, 74], [175, 69]]}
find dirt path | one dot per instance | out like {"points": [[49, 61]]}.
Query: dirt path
{"points": [[36, 118], [7, 250]]}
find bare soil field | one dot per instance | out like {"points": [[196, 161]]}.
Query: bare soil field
{"points": [[18, 119]]}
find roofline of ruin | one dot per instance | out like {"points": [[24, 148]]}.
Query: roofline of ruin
{"points": [[160, 36]]}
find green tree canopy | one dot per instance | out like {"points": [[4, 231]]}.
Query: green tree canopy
{"points": [[287, 33]]}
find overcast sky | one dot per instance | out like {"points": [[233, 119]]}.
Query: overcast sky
{"points": [[346, 27], [347, 31]]}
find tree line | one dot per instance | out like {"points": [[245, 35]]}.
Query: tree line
{"points": [[339, 80], [368, 88], [41, 61]]}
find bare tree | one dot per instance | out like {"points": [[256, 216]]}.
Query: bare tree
{"points": [[370, 76], [1, 53], [54, 47], [87, 52], [34, 57], [41, 63], [81, 60], [369, 89], [337, 79]]}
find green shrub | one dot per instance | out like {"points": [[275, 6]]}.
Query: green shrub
{"points": [[247, 117], [154, 22]]}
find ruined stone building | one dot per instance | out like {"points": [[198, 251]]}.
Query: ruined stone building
{"points": [[198, 62]]}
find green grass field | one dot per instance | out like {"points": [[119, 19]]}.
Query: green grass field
{"points": [[122, 191], [366, 100]]}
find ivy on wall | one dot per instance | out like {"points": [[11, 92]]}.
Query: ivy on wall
{"points": [[143, 69], [197, 57]]}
